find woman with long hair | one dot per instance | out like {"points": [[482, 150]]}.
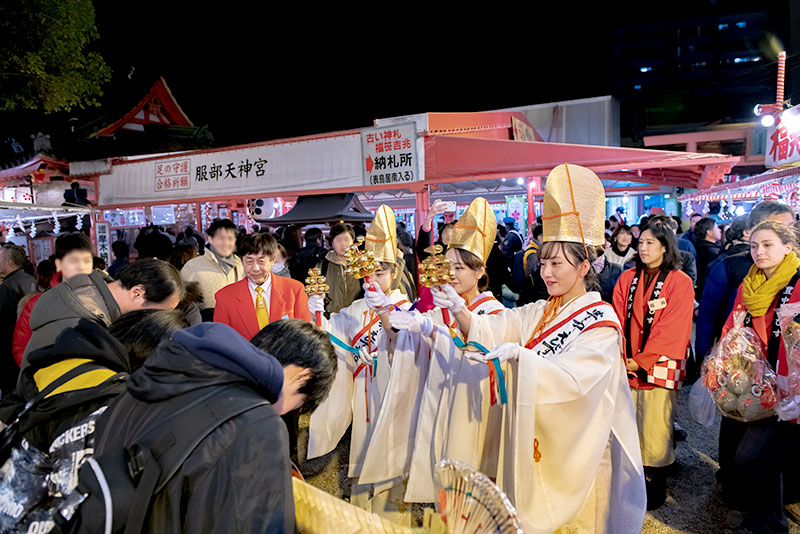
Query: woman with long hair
{"points": [[653, 302], [758, 460], [355, 398], [568, 454], [428, 370]]}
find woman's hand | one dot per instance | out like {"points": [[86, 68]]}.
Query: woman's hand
{"points": [[435, 209], [631, 365]]}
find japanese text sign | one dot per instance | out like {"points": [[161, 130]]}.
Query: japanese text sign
{"points": [[103, 241], [390, 155], [783, 139]]}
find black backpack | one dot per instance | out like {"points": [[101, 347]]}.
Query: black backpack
{"points": [[119, 489]]}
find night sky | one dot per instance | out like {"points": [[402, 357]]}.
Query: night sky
{"points": [[281, 70]]}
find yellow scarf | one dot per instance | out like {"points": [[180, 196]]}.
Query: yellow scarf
{"points": [[758, 292]]}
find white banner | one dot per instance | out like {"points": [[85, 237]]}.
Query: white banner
{"points": [[332, 162], [783, 139], [390, 154]]}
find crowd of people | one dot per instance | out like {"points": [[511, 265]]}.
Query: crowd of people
{"points": [[173, 379]]}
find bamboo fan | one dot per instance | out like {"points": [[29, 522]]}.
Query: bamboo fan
{"points": [[318, 512], [471, 503]]}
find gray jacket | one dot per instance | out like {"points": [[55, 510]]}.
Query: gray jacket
{"points": [[82, 296]]}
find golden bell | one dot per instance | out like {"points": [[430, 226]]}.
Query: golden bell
{"points": [[475, 230], [574, 206], [381, 238]]}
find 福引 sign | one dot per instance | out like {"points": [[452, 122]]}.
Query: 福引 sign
{"points": [[783, 139], [390, 155]]}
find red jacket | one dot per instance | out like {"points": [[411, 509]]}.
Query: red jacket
{"points": [[672, 326], [23, 332], [236, 309]]}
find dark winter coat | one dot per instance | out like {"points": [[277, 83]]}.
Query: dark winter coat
{"points": [[238, 479], [84, 296], [706, 253], [15, 286], [74, 401]]}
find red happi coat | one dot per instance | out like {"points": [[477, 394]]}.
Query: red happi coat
{"points": [[672, 325]]}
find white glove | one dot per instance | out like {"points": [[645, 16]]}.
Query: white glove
{"points": [[316, 303], [376, 300], [788, 409], [363, 356], [447, 297], [505, 352], [413, 321]]}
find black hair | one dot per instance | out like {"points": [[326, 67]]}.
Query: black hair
{"points": [[765, 210], [702, 227], [340, 228], [471, 260], [120, 249], [313, 235], [45, 272], [71, 241], [98, 263], [695, 214], [738, 227], [160, 279], [537, 232], [220, 224], [575, 254], [663, 219], [257, 244], [181, 254], [298, 342], [620, 229], [664, 234], [142, 330], [404, 238]]}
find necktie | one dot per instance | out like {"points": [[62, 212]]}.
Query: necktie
{"points": [[262, 313]]}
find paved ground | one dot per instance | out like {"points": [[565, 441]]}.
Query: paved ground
{"points": [[690, 508]]}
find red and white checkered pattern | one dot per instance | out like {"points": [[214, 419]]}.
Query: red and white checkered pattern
{"points": [[668, 373]]}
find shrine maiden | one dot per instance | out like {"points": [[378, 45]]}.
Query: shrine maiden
{"points": [[356, 393], [444, 411], [569, 450]]}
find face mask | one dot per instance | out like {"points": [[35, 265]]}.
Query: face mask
{"points": [[277, 267]]}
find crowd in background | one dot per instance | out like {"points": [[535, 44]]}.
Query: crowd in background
{"points": [[73, 308]]}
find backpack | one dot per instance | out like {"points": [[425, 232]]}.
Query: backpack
{"points": [[35, 484], [118, 489]]}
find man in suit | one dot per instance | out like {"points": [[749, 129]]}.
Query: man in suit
{"points": [[261, 298]]}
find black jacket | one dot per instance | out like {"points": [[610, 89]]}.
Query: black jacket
{"points": [[15, 286], [238, 479], [706, 253], [79, 397], [304, 259]]}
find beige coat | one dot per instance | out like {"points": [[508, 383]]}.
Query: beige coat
{"points": [[206, 271]]}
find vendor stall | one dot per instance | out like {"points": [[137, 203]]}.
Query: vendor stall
{"points": [[406, 157]]}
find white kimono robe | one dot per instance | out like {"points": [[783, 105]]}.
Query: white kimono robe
{"points": [[355, 395], [570, 416], [412, 401]]}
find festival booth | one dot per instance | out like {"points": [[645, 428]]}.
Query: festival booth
{"points": [[412, 157], [737, 196]]}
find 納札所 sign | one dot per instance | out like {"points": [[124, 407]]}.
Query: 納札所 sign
{"points": [[307, 164], [783, 139], [389, 155]]}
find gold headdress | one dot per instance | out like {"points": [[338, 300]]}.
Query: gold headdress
{"points": [[574, 206], [381, 237], [475, 230]]}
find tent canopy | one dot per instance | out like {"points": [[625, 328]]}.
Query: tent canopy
{"points": [[450, 159], [317, 209]]}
